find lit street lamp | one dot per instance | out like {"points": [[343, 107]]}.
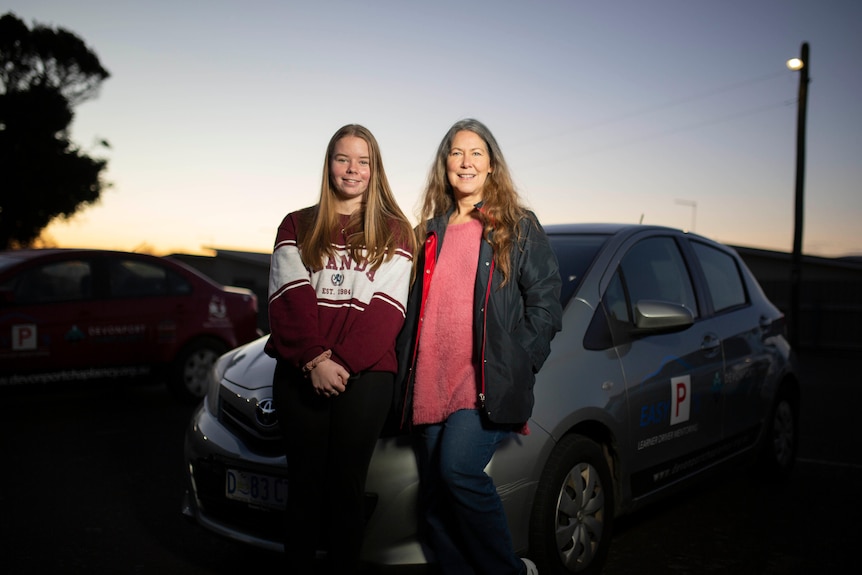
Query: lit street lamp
{"points": [[803, 66]]}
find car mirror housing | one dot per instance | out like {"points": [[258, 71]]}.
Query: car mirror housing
{"points": [[661, 316]]}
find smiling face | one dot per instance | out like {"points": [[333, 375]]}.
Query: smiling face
{"points": [[468, 164], [350, 170]]}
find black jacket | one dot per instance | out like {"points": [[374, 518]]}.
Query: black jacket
{"points": [[513, 325]]}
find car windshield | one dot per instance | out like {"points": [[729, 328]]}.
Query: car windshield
{"points": [[575, 253]]}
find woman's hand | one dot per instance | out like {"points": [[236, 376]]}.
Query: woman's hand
{"points": [[329, 378]]}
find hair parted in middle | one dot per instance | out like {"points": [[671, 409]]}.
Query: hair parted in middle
{"points": [[501, 210], [374, 230]]}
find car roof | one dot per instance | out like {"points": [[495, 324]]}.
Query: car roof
{"points": [[600, 228], [621, 231], [33, 253], [10, 259]]}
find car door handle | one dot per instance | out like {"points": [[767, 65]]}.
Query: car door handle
{"points": [[711, 344]]}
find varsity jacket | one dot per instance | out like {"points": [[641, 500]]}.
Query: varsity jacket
{"points": [[345, 307], [513, 325]]}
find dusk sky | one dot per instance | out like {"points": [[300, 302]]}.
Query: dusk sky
{"points": [[671, 112]]}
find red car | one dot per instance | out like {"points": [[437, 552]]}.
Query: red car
{"points": [[74, 314]]}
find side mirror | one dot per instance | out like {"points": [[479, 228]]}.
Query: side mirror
{"points": [[661, 316]]}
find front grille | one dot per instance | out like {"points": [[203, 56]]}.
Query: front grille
{"points": [[265, 441]]}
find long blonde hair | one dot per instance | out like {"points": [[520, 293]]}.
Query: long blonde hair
{"points": [[501, 210], [377, 227]]}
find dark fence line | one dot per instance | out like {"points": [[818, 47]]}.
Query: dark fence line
{"points": [[830, 314]]}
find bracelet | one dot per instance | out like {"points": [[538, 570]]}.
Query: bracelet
{"points": [[316, 361]]}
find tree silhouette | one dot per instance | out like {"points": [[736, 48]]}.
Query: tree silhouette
{"points": [[44, 72]]}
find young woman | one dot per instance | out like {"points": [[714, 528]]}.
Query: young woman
{"points": [[481, 317], [337, 295]]}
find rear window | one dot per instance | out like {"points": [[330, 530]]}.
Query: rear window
{"points": [[575, 253], [726, 286], [134, 278]]}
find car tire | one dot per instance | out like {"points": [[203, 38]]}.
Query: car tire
{"points": [[189, 375], [778, 454], [572, 518]]}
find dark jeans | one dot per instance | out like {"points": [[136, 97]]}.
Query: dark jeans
{"points": [[329, 443], [465, 523]]}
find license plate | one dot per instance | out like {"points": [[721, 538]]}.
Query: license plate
{"points": [[255, 489]]}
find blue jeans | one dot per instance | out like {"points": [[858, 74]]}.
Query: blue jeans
{"points": [[465, 523]]}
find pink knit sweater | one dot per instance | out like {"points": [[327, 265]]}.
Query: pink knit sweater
{"points": [[445, 370]]}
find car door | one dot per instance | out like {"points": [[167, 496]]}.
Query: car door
{"points": [[674, 405], [44, 321], [740, 329]]}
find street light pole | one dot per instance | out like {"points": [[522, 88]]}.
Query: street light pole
{"points": [[693, 206], [803, 65]]}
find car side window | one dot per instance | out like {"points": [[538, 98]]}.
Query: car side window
{"points": [[723, 277], [654, 269], [177, 284], [615, 300], [54, 282], [132, 278]]}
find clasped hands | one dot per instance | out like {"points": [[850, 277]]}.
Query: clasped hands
{"points": [[329, 378]]}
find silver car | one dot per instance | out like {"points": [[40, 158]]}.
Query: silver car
{"points": [[671, 362]]}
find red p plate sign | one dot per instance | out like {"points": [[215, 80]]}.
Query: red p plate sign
{"points": [[24, 336]]}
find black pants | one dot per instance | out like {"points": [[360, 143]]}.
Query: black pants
{"points": [[329, 443]]}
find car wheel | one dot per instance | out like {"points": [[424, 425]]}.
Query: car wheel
{"points": [[572, 519], [190, 372], [782, 437]]}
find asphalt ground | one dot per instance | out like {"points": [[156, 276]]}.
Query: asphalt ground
{"points": [[91, 482]]}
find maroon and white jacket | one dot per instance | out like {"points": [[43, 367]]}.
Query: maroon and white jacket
{"points": [[344, 307]]}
